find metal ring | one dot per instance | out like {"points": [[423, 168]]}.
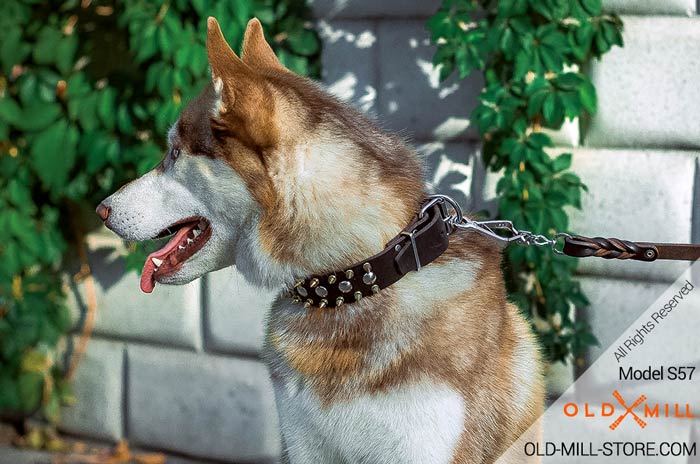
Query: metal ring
{"points": [[555, 240], [439, 198]]}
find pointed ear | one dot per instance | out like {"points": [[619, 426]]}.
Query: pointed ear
{"points": [[244, 105], [223, 61], [257, 53]]}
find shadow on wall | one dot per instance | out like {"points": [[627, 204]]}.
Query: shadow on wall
{"points": [[384, 68]]}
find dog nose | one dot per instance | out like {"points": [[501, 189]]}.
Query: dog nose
{"points": [[103, 211]]}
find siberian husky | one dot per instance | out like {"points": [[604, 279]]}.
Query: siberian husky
{"points": [[267, 172]]}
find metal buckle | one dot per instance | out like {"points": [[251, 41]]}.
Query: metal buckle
{"points": [[412, 236]]}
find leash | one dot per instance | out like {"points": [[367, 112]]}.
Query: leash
{"points": [[427, 237], [561, 243]]}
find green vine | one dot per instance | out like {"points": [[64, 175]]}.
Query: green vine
{"points": [[87, 93], [531, 53]]}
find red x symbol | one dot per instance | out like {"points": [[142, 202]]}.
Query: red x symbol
{"points": [[629, 410]]}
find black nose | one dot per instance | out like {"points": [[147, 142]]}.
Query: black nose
{"points": [[103, 211]]}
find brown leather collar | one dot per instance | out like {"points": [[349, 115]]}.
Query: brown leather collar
{"points": [[419, 244]]}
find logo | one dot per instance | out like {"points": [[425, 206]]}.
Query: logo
{"points": [[634, 410], [628, 411]]}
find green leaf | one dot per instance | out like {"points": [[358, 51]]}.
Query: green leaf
{"points": [[13, 50], [65, 53], [39, 116], [562, 162], [553, 111], [45, 48], [587, 95], [53, 154], [592, 7], [10, 112], [304, 42], [569, 81], [30, 386]]}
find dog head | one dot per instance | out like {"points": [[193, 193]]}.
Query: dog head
{"points": [[266, 171]]}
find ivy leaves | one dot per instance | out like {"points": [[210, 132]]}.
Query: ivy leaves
{"points": [[531, 53], [87, 94]]}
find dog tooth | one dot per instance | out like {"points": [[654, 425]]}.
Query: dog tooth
{"points": [[157, 261], [181, 247], [197, 232], [189, 240], [203, 224]]}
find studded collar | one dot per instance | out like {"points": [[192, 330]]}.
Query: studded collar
{"points": [[419, 244]]}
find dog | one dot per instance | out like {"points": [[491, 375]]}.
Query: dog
{"points": [[268, 172]]}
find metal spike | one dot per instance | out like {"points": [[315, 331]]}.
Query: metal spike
{"points": [[308, 303], [314, 282], [339, 301], [323, 303], [358, 296], [349, 274], [367, 267], [296, 300], [375, 289], [332, 279], [298, 283]]}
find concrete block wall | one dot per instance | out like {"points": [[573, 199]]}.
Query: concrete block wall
{"points": [[179, 370]]}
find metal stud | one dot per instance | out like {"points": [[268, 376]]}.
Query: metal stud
{"points": [[323, 303], [332, 278], [322, 291], [314, 282], [369, 278], [358, 296], [302, 291], [349, 274], [339, 301], [367, 267], [345, 286], [375, 289], [397, 248], [296, 300]]}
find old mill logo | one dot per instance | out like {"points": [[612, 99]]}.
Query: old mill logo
{"points": [[640, 411]]}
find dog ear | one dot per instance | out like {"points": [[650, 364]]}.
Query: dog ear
{"points": [[244, 107], [257, 53], [222, 60]]}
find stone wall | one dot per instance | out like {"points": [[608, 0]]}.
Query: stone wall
{"points": [[179, 371]]}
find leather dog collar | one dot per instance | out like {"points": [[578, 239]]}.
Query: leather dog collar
{"points": [[419, 244], [427, 237]]}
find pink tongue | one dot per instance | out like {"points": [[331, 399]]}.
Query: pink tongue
{"points": [[148, 282]]}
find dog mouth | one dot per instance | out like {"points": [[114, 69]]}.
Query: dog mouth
{"points": [[188, 237]]}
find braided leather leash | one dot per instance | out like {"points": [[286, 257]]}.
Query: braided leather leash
{"points": [[615, 248]]}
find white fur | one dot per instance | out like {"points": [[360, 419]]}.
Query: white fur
{"points": [[189, 186], [416, 423]]}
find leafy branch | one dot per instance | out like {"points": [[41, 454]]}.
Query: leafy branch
{"points": [[87, 92], [531, 53]]}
